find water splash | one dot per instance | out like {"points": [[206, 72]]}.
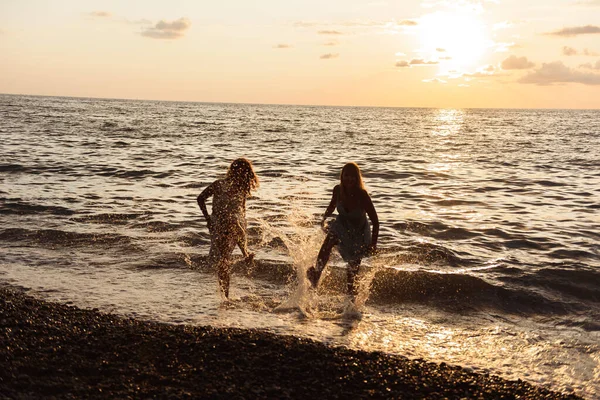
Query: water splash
{"points": [[302, 240]]}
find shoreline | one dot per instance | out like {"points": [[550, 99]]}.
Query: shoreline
{"points": [[52, 350]]}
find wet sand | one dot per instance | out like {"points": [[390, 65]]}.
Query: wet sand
{"points": [[50, 350]]}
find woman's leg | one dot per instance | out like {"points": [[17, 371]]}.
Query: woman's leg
{"points": [[314, 273], [224, 276], [351, 272], [220, 253]]}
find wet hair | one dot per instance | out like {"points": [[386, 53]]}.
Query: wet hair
{"points": [[242, 173], [351, 168]]}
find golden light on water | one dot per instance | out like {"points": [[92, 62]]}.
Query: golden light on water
{"points": [[449, 121]]}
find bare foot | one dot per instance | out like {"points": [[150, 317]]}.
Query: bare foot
{"points": [[249, 258]]}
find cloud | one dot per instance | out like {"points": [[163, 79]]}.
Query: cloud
{"points": [[420, 61], [329, 56], [557, 72], [282, 46], [440, 50], [504, 47], [569, 51], [477, 75], [408, 22], [332, 43], [576, 30], [100, 14], [591, 66], [590, 53], [514, 62], [305, 24], [167, 30], [415, 61], [329, 32], [485, 72], [367, 24]]}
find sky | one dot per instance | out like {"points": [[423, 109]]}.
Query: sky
{"points": [[402, 53]]}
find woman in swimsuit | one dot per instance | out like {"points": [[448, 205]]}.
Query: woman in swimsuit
{"points": [[227, 224], [350, 231]]}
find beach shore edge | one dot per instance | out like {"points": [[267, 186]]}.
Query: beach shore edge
{"points": [[53, 350]]}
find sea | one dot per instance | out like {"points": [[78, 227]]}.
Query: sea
{"points": [[489, 247]]}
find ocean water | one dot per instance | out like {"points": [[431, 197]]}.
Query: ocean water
{"points": [[490, 224]]}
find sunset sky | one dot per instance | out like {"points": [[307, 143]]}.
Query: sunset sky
{"points": [[504, 53]]}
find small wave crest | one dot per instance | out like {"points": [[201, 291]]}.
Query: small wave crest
{"points": [[22, 208], [108, 218], [12, 168], [55, 237], [461, 292], [424, 253], [580, 283]]}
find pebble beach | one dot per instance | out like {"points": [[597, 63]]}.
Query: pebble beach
{"points": [[51, 350]]}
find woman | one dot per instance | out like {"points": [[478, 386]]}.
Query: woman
{"points": [[227, 224], [350, 231]]}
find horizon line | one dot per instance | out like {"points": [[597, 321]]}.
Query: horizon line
{"points": [[297, 105]]}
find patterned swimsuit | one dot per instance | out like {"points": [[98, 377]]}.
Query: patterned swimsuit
{"points": [[228, 220]]}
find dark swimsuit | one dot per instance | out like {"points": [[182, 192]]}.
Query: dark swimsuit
{"points": [[353, 231]]}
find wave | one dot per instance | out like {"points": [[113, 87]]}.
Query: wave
{"points": [[549, 293], [108, 218], [426, 254], [55, 237], [126, 174], [22, 208], [460, 292], [85, 170], [450, 203], [12, 168], [577, 282], [566, 254], [157, 226]]}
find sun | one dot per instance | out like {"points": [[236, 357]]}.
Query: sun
{"points": [[458, 39]]}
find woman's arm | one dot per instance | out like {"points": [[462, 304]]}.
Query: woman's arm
{"points": [[370, 210], [202, 197], [331, 207]]}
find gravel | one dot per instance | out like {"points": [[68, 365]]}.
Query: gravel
{"points": [[50, 350]]}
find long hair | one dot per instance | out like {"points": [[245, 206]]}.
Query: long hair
{"points": [[242, 173], [353, 169]]}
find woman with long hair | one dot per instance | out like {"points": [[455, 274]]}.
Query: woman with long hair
{"points": [[227, 224], [350, 231]]}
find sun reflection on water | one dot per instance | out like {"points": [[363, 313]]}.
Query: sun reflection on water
{"points": [[449, 122]]}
